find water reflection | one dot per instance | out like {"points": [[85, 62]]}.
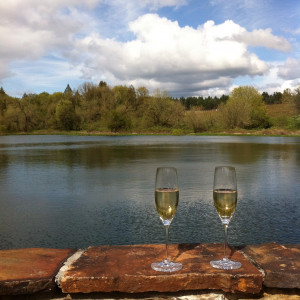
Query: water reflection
{"points": [[63, 191]]}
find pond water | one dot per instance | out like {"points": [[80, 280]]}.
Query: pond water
{"points": [[78, 191]]}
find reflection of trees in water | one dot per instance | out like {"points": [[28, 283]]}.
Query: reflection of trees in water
{"points": [[89, 157], [244, 153], [240, 153], [297, 153], [103, 157], [4, 161], [95, 156]]}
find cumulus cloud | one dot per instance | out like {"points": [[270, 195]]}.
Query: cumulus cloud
{"points": [[264, 38], [31, 29], [290, 69], [159, 54], [272, 82], [175, 58], [50, 71]]}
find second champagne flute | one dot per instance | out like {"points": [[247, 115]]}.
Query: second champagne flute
{"points": [[225, 200], [166, 201]]}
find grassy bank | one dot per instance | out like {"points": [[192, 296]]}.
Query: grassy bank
{"points": [[176, 132]]}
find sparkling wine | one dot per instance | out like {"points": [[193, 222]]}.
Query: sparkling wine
{"points": [[225, 203], [225, 199], [166, 201]]}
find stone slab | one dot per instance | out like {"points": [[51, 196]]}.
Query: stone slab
{"points": [[294, 247], [128, 269], [281, 264], [26, 271]]}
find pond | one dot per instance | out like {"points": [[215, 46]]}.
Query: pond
{"points": [[77, 191]]}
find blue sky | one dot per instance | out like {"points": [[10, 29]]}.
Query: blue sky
{"points": [[183, 47]]}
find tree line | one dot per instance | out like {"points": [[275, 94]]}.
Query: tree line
{"points": [[100, 107], [208, 103]]}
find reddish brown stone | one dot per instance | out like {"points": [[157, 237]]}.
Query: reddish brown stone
{"points": [[294, 247], [24, 271], [281, 264], [128, 269]]}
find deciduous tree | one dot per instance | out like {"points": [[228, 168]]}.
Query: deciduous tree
{"points": [[66, 116], [160, 110], [245, 109], [297, 99]]}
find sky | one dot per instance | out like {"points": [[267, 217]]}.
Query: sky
{"points": [[183, 47]]}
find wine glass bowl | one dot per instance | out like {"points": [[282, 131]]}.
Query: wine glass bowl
{"points": [[166, 201], [225, 201]]}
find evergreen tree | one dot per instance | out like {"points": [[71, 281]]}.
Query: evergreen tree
{"points": [[102, 83], [2, 92], [68, 89]]}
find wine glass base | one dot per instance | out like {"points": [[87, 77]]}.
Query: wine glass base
{"points": [[166, 266], [225, 264]]}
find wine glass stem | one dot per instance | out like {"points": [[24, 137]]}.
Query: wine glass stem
{"points": [[167, 242], [225, 241]]}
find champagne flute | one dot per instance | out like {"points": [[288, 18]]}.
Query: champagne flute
{"points": [[166, 201], [225, 200]]}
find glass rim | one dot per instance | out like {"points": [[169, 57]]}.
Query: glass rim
{"points": [[227, 167], [166, 167]]}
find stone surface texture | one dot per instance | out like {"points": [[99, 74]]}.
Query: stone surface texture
{"points": [[269, 271], [25, 271], [128, 269], [281, 264]]}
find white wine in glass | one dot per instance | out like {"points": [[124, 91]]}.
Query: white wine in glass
{"points": [[225, 200], [166, 201]]}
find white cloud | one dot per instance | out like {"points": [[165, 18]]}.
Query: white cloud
{"points": [[163, 3], [160, 53], [33, 28], [265, 38], [296, 31], [290, 69], [271, 82], [51, 71], [165, 55]]}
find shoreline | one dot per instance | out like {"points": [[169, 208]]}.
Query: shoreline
{"points": [[234, 132]]}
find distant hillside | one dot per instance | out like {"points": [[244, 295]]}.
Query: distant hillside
{"points": [[283, 109]]}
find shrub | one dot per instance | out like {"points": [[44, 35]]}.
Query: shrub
{"points": [[118, 121], [201, 121], [294, 123]]}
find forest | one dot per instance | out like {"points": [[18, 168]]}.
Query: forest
{"points": [[101, 108]]}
